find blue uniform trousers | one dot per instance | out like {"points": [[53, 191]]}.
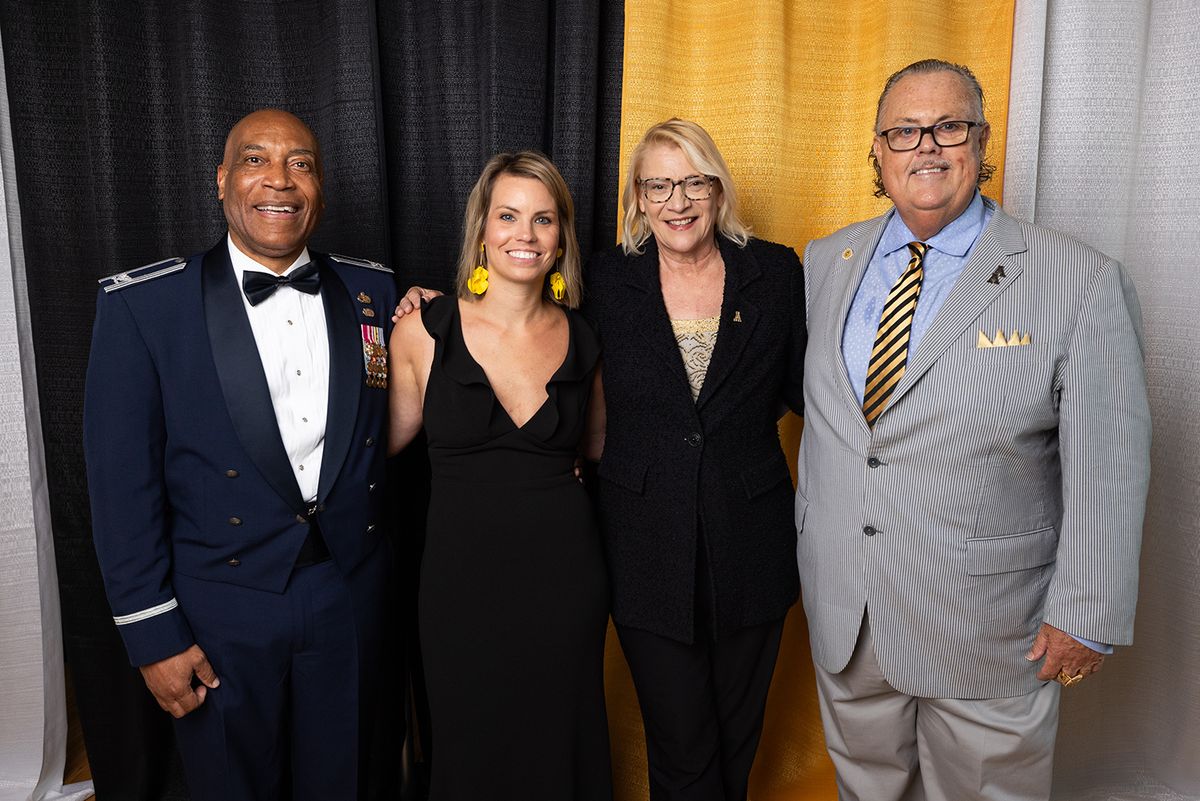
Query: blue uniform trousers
{"points": [[291, 716]]}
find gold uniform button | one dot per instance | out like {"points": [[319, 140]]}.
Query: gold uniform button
{"points": [[370, 441], [370, 527], [235, 521], [231, 473], [234, 562]]}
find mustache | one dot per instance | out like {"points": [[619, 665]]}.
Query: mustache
{"points": [[926, 164]]}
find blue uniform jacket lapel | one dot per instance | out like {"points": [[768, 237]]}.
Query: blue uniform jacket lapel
{"points": [[345, 374], [243, 382]]}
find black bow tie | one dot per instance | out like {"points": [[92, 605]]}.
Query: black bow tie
{"points": [[259, 286]]}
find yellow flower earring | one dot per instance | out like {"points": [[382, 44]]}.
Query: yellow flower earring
{"points": [[558, 286], [478, 282]]}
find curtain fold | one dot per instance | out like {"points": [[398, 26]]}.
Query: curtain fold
{"points": [[462, 81], [1110, 109], [33, 729]]}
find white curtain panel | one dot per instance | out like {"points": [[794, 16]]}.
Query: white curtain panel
{"points": [[1102, 144], [33, 718]]}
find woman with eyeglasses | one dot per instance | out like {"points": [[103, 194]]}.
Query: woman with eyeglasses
{"points": [[703, 336]]}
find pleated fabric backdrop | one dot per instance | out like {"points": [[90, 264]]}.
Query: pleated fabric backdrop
{"points": [[117, 118], [33, 731], [1106, 148], [788, 91]]}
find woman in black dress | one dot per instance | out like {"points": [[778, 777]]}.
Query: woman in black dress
{"points": [[513, 598]]}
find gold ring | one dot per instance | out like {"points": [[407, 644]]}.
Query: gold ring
{"points": [[1068, 681]]}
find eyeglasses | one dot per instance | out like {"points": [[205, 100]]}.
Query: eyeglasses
{"points": [[945, 134], [695, 187]]}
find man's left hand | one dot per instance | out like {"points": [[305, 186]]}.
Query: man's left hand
{"points": [[412, 301], [1063, 653]]}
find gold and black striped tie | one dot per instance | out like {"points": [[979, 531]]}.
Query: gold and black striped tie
{"points": [[890, 354]]}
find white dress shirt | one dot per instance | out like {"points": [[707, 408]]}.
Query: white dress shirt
{"points": [[293, 346]]}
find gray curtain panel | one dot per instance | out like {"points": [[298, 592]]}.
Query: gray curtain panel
{"points": [[1103, 111], [33, 728]]}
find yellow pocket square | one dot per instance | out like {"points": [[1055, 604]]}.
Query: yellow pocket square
{"points": [[1002, 341]]}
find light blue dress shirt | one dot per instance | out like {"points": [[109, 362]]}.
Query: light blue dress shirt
{"points": [[949, 251]]}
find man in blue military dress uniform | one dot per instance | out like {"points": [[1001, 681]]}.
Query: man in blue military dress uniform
{"points": [[234, 429]]}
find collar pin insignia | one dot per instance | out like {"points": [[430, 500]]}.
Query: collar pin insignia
{"points": [[737, 316], [363, 297], [368, 312]]}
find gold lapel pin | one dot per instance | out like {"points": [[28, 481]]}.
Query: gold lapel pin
{"points": [[368, 312], [737, 316], [363, 297], [846, 254]]}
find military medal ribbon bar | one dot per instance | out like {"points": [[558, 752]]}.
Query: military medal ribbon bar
{"points": [[375, 356]]}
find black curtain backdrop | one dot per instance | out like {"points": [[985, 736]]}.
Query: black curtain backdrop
{"points": [[119, 113]]}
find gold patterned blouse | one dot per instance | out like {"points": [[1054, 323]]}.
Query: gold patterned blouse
{"points": [[696, 339]]}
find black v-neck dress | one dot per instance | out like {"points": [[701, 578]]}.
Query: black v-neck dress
{"points": [[514, 591]]}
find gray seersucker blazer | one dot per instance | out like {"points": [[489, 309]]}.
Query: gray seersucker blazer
{"points": [[1004, 485]]}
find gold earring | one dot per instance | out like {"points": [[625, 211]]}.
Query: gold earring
{"points": [[558, 286], [478, 282]]}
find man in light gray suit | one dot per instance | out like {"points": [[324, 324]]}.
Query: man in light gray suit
{"points": [[973, 469]]}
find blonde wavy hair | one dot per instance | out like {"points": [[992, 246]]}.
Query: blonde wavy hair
{"points": [[526, 164], [702, 152]]}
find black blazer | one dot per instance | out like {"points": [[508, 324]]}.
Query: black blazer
{"points": [[671, 465]]}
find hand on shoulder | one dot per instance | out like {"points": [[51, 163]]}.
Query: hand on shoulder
{"points": [[409, 335], [411, 301]]}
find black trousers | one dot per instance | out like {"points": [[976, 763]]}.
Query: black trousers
{"points": [[702, 708]]}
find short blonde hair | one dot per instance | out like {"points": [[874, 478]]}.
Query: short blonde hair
{"points": [[526, 164], [702, 152]]}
